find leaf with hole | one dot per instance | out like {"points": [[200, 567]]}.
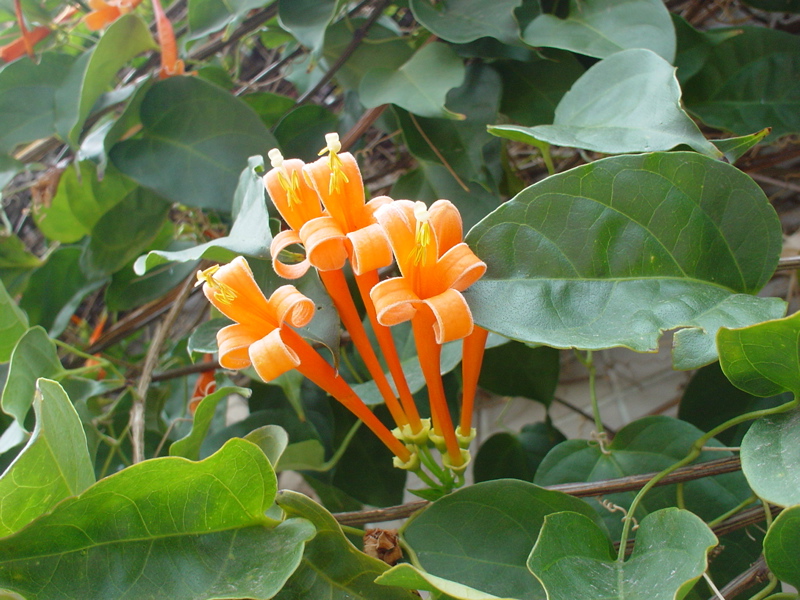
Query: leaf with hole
{"points": [[615, 252]]}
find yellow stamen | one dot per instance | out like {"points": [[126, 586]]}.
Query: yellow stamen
{"points": [[422, 233], [289, 183], [222, 292], [333, 146]]}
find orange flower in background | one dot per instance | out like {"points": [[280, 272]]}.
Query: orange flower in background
{"points": [[171, 65], [28, 39], [104, 13], [262, 336]]}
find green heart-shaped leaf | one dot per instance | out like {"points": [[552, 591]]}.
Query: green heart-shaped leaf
{"points": [[574, 560], [462, 21], [781, 544], [196, 140], [617, 251], [771, 458], [628, 102]]}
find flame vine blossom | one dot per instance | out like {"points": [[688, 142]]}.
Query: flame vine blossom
{"points": [[324, 206]]}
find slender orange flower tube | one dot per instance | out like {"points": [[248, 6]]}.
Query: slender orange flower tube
{"points": [[262, 336], [337, 180], [104, 13], [436, 266], [171, 65], [19, 47], [327, 248]]}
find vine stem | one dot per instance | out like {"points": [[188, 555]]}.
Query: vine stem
{"points": [[588, 362], [694, 452]]}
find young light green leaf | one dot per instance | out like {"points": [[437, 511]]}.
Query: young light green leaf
{"points": [[410, 577], [628, 102], [93, 72], [272, 439], [602, 27], [182, 530], [462, 21], [419, 86], [574, 560], [481, 535], [771, 458], [646, 445], [33, 357], [189, 446], [780, 546], [196, 140], [249, 235], [617, 251], [743, 84], [13, 324], [332, 568], [54, 464], [735, 148]]}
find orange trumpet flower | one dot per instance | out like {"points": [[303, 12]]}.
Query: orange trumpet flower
{"points": [[28, 39], [435, 266], [262, 336], [346, 230], [106, 12]]}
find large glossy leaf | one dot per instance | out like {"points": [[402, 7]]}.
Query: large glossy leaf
{"points": [[302, 131], [461, 145], [419, 86], [747, 83], [332, 568], [208, 16], [27, 98], [780, 546], [80, 201], [481, 535], [647, 445], [13, 324], [574, 560], [54, 464], [461, 21], [93, 73], [249, 235], [602, 27], [307, 20], [34, 356], [628, 102], [617, 251], [505, 455], [514, 369], [189, 446], [181, 530], [195, 142]]}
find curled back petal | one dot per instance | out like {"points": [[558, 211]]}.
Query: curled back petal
{"points": [[272, 357], [398, 222], [370, 249], [234, 343], [291, 194], [446, 224], [291, 306], [394, 301], [279, 243], [325, 243], [375, 204], [458, 268], [102, 14], [340, 188], [452, 314], [248, 304]]}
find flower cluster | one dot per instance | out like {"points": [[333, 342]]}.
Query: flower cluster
{"points": [[323, 205]]}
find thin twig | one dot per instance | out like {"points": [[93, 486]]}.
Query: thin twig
{"points": [[362, 125], [268, 70], [140, 397], [757, 573], [438, 154], [792, 187], [610, 430], [358, 36], [594, 488], [788, 263]]}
